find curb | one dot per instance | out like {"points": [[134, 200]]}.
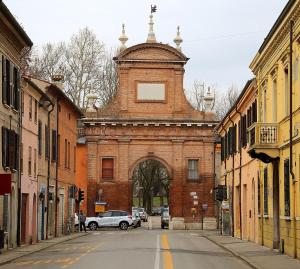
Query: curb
{"points": [[234, 253], [40, 249]]}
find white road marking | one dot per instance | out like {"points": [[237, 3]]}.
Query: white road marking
{"points": [[96, 233], [157, 254]]}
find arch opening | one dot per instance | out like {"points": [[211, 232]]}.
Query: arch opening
{"points": [[150, 186]]}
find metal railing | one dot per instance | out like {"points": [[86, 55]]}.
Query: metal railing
{"points": [[263, 134]]}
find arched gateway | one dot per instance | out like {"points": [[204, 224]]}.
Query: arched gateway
{"points": [[151, 118]]}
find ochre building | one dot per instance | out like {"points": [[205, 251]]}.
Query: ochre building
{"points": [[150, 118]]}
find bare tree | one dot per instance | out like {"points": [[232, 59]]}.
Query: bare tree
{"points": [[108, 79], [87, 68], [226, 101]]}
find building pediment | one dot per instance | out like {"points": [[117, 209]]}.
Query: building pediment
{"points": [[155, 52]]}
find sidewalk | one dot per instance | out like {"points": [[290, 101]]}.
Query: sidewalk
{"points": [[13, 254], [256, 256]]}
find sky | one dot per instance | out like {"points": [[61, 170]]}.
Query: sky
{"points": [[220, 37]]}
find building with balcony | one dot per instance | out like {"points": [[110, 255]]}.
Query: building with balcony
{"points": [[239, 172], [274, 138]]}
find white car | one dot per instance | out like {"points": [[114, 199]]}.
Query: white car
{"points": [[111, 218]]}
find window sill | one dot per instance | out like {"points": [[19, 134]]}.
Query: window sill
{"points": [[286, 218], [297, 218], [266, 216], [108, 179]]}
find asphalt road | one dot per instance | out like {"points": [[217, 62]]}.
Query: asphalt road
{"points": [[135, 248]]}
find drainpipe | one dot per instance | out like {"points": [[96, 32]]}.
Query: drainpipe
{"points": [[48, 168], [232, 187], [291, 135], [240, 178], [56, 167]]}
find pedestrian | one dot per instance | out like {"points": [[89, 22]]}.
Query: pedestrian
{"points": [[82, 219]]}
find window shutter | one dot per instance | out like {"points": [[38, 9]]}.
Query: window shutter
{"points": [[11, 148], [287, 211], [16, 89], [4, 84], [4, 147], [8, 82], [107, 168]]}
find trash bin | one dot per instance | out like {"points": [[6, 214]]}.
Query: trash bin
{"points": [[1, 239]]}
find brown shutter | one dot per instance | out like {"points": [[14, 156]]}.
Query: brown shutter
{"points": [[107, 168], [4, 98]]}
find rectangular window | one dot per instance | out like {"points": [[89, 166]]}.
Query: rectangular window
{"points": [[69, 155], [34, 163], [29, 160], [46, 142], [21, 158], [35, 110], [108, 168], [193, 169], [54, 146], [266, 191], [30, 108], [287, 188], [40, 137], [66, 153]]}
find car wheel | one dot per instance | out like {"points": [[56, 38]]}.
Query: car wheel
{"points": [[162, 226], [93, 226], [124, 225], [139, 224]]}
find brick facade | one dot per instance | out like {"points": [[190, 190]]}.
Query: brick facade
{"points": [[131, 130]]}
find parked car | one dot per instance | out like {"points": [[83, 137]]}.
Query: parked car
{"points": [[165, 218], [143, 214], [156, 211], [136, 218], [111, 218]]}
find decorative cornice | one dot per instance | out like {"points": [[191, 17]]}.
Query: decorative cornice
{"points": [[274, 72], [179, 55]]}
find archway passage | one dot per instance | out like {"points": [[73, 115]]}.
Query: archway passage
{"points": [[151, 182]]}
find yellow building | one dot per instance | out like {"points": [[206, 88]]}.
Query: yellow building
{"points": [[239, 172], [277, 70]]}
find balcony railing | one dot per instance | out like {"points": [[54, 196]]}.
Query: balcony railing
{"points": [[263, 134]]}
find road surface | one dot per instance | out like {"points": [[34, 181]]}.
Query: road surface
{"points": [[134, 248]]}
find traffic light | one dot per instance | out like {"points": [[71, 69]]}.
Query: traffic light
{"points": [[80, 195]]}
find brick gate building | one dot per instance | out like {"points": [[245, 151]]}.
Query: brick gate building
{"points": [[150, 118]]}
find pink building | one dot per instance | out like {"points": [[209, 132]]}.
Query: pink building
{"points": [[29, 162]]}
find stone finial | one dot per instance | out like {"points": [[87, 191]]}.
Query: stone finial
{"points": [[151, 35], [178, 40], [209, 100], [91, 103], [123, 38]]}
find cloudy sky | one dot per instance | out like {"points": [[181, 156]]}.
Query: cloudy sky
{"points": [[220, 36]]}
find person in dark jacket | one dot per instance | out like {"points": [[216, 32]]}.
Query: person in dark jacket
{"points": [[82, 219]]}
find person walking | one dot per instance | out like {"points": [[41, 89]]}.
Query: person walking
{"points": [[82, 219]]}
